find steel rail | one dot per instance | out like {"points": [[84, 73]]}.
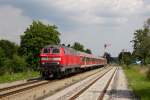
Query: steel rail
{"points": [[84, 89], [7, 94], [18, 85], [23, 89], [106, 86]]}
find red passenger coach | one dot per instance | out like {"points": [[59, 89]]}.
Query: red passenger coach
{"points": [[58, 60]]}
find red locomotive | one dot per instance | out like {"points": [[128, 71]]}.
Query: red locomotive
{"points": [[58, 60]]}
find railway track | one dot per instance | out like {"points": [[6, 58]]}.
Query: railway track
{"points": [[10, 92], [7, 91], [14, 86], [77, 95], [80, 89], [107, 85], [87, 87]]}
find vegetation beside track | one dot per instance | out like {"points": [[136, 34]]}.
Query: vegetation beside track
{"points": [[18, 76], [22, 57], [138, 81]]}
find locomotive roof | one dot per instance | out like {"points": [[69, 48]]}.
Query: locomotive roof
{"points": [[78, 52], [48, 46]]}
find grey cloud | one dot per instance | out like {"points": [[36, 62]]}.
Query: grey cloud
{"points": [[12, 23], [93, 25]]}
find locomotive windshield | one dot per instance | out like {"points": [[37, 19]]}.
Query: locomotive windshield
{"points": [[46, 50], [55, 50], [52, 50]]}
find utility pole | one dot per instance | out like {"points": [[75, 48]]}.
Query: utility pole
{"points": [[122, 56], [105, 45]]}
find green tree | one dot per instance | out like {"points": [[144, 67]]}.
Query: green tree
{"points": [[9, 48], [108, 57], [88, 51], [141, 45], [125, 58], [34, 38], [16, 64], [2, 58], [78, 46]]}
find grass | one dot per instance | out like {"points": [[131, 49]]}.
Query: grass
{"points": [[138, 81], [18, 76]]}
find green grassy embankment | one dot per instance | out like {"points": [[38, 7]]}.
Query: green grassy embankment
{"points": [[138, 82], [18, 76]]}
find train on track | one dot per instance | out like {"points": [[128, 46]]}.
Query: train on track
{"points": [[58, 60]]}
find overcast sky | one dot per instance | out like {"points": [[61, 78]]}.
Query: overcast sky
{"points": [[90, 22]]}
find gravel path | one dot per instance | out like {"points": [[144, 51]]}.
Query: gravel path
{"points": [[118, 89]]}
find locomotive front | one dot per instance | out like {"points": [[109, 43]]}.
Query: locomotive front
{"points": [[50, 61]]}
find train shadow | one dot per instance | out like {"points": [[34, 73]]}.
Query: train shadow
{"points": [[128, 94]]}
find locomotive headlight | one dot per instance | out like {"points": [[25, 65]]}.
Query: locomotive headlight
{"points": [[43, 63], [44, 58], [57, 62], [56, 59]]}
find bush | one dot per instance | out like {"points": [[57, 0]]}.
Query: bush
{"points": [[2, 56], [9, 48], [2, 59], [148, 73], [17, 64], [10, 62], [2, 70]]}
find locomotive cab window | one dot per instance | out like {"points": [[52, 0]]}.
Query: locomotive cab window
{"points": [[55, 50], [46, 50]]}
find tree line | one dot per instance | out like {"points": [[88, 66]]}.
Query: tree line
{"points": [[25, 56], [141, 43], [80, 47], [141, 47]]}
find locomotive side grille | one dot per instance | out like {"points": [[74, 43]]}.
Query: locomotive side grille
{"points": [[50, 63], [54, 63]]}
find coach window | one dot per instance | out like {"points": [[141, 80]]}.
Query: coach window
{"points": [[93, 59], [83, 59], [87, 59]]}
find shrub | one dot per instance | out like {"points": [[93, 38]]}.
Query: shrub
{"points": [[148, 73], [2, 70], [2, 58], [17, 64], [8, 66]]}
